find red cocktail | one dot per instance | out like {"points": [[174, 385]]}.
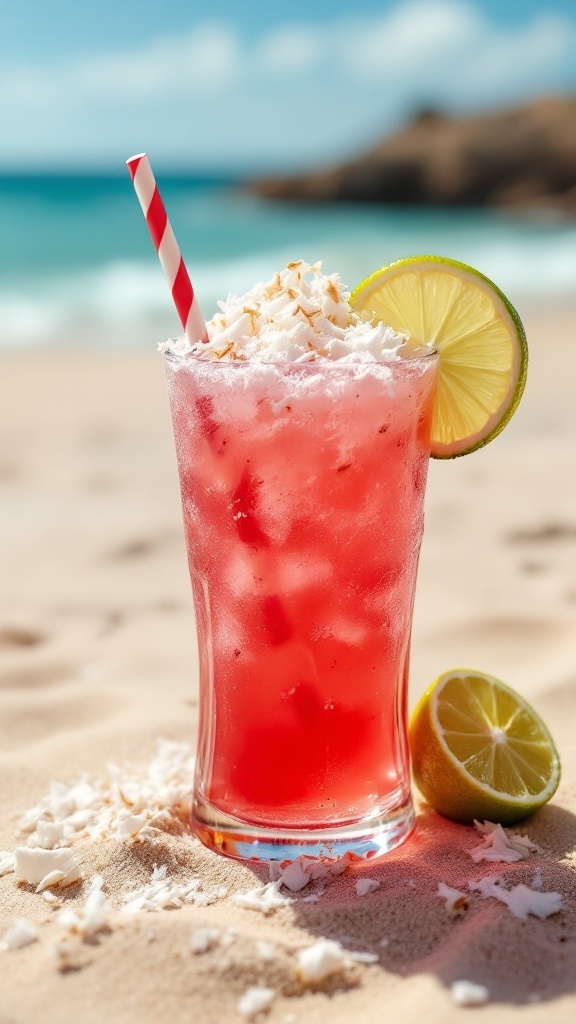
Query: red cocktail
{"points": [[302, 490]]}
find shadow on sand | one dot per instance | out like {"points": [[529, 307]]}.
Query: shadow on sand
{"points": [[519, 961]]}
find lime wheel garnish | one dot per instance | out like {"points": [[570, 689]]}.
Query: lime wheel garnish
{"points": [[483, 356]]}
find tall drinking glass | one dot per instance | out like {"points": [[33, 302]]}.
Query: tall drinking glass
{"points": [[302, 492]]}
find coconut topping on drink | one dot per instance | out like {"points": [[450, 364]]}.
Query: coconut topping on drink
{"points": [[298, 316]]}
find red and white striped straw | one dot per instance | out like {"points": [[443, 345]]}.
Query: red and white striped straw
{"points": [[167, 247]]}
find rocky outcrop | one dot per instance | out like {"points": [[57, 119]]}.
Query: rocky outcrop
{"points": [[523, 157]]}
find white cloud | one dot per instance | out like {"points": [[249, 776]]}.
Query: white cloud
{"points": [[413, 39], [212, 95], [451, 48], [290, 49], [206, 59], [509, 59]]}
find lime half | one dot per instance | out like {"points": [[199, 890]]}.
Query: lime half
{"points": [[483, 356], [479, 750]]}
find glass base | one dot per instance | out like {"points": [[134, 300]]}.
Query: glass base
{"points": [[366, 840]]}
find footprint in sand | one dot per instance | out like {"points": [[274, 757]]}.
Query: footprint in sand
{"points": [[133, 549], [33, 678], [532, 568], [142, 547], [20, 636], [546, 533], [113, 620]]}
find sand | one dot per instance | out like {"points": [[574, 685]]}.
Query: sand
{"points": [[98, 661]]}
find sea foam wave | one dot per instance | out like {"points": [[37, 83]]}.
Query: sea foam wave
{"points": [[127, 304], [120, 303]]}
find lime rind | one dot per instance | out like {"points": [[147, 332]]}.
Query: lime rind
{"points": [[451, 765], [482, 344]]}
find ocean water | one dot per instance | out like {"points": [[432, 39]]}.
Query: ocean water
{"points": [[77, 265]]}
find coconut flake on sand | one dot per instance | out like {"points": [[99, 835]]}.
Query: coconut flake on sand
{"points": [[266, 950], [319, 961], [364, 886], [6, 862], [203, 939], [124, 806], [265, 898], [163, 893], [256, 999], [22, 933], [90, 918], [327, 957], [296, 874], [454, 898], [467, 993], [45, 867], [360, 957], [498, 845], [520, 899]]}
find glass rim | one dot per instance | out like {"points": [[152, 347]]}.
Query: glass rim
{"points": [[412, 356]]}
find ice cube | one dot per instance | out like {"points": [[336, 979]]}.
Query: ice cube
{"points": [[297, 572]]}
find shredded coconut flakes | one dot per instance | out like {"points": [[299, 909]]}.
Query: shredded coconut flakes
{"points": [[90, 918], [467, 993], [295, 875], [44, 868], [520, 899], [327, 957], [125, 806], [454, 898], [364, 886], [498, 845], [266, 950], [163, 893], [317, 962], [265, 898], [203, 939], [6, 862], [22, 933], [256, 999], [298, 316]]}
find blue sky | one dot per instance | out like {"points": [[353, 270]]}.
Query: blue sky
{"points": [[254, 85]]}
